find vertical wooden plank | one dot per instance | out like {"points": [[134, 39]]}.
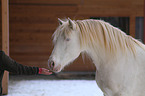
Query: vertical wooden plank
{"points": [[5, 39], [144, 22], [132, 26]]}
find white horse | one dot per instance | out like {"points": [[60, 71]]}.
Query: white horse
{"points": [[119, 58]]}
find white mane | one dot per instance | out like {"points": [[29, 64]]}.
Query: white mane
{"points": [[100, 33], [94, 33]]}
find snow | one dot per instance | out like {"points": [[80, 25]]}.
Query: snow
{"points": [[19, 86]]}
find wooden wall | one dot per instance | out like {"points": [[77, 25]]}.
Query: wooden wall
{"points": [[0, 26], [144, 21], [32, 23]]}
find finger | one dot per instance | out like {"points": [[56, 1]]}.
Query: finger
{"points": [[46, 71]]}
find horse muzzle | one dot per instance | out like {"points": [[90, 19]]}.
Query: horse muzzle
{"points": [[52, 66]]}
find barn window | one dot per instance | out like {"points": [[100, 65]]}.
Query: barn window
{"points": [[139, 28], [120, 22]]}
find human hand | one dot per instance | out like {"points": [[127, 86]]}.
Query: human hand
{"points": [[44, 71]]}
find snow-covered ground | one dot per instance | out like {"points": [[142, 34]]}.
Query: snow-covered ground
{"points": [[24, 86]]}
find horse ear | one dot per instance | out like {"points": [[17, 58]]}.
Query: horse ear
{"points": [[60, 21], [70, 23]]}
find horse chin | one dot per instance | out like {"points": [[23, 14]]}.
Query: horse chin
{"points": [[57, 69]]}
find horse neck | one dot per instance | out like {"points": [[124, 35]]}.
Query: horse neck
{"points": [[93, 49], [100, 56], [92, 42], [97, 56]]}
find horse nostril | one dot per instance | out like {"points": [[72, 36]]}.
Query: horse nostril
{"points": [[52, 64]]}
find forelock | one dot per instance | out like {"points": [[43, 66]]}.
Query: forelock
{"points": [[62, 30]]}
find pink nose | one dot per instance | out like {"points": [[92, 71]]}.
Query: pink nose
{"points": [[51, 65]]}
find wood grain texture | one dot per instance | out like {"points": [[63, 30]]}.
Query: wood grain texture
{"points": [[5, 40], [43, 2], [144, 21]]}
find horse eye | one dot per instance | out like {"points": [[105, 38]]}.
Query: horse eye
{"points": [[67, 39]]}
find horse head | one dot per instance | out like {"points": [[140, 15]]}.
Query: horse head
{"points": [[66, 45]]}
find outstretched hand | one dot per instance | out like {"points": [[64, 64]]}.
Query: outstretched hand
{"points": [[44, 71]]}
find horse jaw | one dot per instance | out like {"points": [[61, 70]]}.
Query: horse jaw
{"points": [[60, 65]]}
